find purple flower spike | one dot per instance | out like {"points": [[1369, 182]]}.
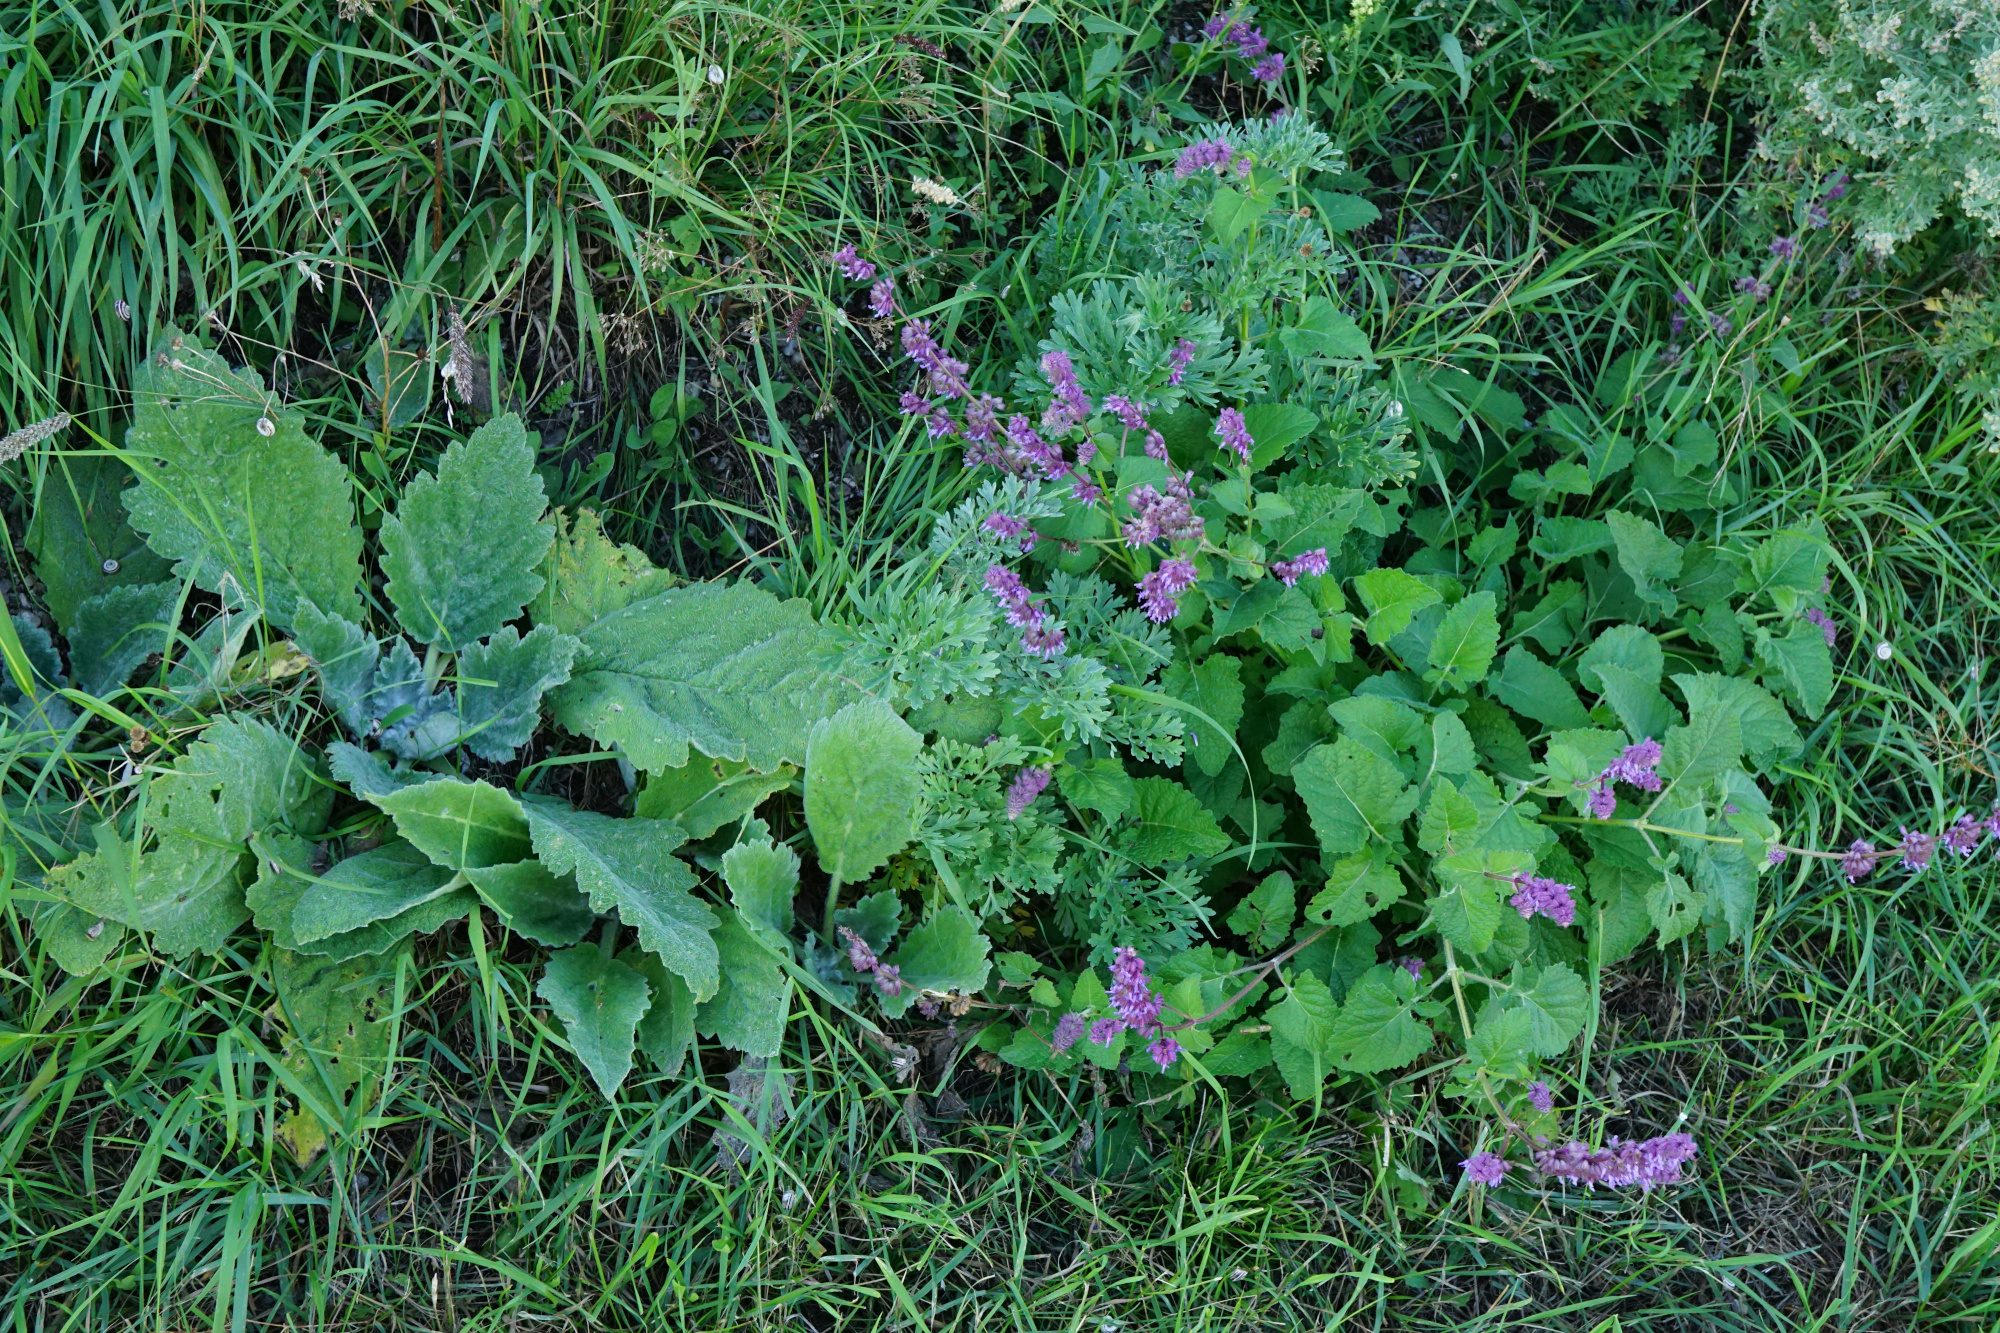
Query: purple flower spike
{"points": [[1044, 640], [1179, 359], [882, 298], [1538, 894], [1917, 849], [859, 956], [1160, 591], [1251, 42], [1270, 69], [1164, 1050], [1485, 1168], [1775, 857], [1653, 1162], [1859, 860], [1678, 324], [1784, 247], [1312, 562], [1817, 217], [851, 264], [1104, 1029], [1720, 325], [1540, 1097], [1413, 965], [1156, 445], [1204, 155], [1069, 1031], [1635, 767], [1681, 297], [889, 978], [1028, 784], [1132, 996], [1992, 821], [1603, 801], [1837, 188], [1962, 838], [1233, 433]]}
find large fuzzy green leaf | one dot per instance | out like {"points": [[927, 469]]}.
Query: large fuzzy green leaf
{"points": [[667, 1030], [1353, 796], [1172, 825], [184, 880], [338, 1021], [460, 825], [628, 866], [271, 513], [530, 901], [599, 1001], [587, 576], [345, 655], [726, 668], [500, 687], [374, 886], [82, 545], [1378, 1029], [946, 953], [704, 794], [747, 1009], [116, 630], [763, 878], [1301, 1035], [284, 874], [861, 788], [462, 548]]}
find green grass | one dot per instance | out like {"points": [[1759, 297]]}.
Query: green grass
{"points": [[1839, 1070]]}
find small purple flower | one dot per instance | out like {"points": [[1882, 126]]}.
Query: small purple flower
{"points": [[1537, 894], [889, 978], [982, 418], [851, 264], [1005, 525], [1775, 856], [1179, 360], [1635, 766], [1104, 1029], [1044, 640], [1251, 42], [1837, 188], [859, 956], [1085, 492], [1013, 596], [1132, 995], [1816, 617], [1234, 434], [1678, 324], [1270, 69], [1784, 247], [1992, 821], [1312, 562], [1917, 849], [1413, 965], [938, 423], [1164, 1050], [1962, 838], [1203, 155], [1027, 785], [1069, 1031], [1817, 217], [1653, 1162], [882, 298], [1485, 1168], [1603, 801], [1159, 591], [1859, 860], [1132, 414], [1156, 445], [1720, 325], [1681, 297], [1540, 1097], [1219, 24], [913, 405]]}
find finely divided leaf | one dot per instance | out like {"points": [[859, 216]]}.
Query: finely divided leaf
{"points": [[462, 548], [272, 515], [861, 788], [726, 668], [628, 865], [599, 1001]]}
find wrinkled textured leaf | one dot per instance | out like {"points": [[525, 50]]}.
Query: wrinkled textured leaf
{"points": [[946, 953], [1098, 784], [628, 865], [1647, 556], [587, 576], [373, 886], [531, 902], [459, 824], [284, 873], [345, 655], [208, 481], [116, 630], [1449, 819], [1560, 538], [462, 548], [338, 1021], [726, 668], [1768, 734], [1465, 642], [1265, 914], [1357, 887], [1302, 1036], [1215, 687], [1642, 710], [1709, 744], [1802, 662], [1627, 646], [763, 878], [1674, 908], [1172, 824], [599, 1002], [1557, 1004], [1533, 688], [499, 717], [1353, 796], [79, 525], [78, 941], [861, 788], [752, 996], [667, 1030], [1392, 598], [1377, 1030]]}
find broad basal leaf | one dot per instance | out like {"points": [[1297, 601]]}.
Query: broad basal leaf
{"points": [[533, 903], [1213, 686], [1802, 662], [1377, 1029], [599, 1001], [946, 953], [1557, 1005], [462, 548], [345, 655], [763, 878], [704, 794], [270, 513], [667, 1030], [1099, 784], [285, 873], [377, 884], [587, 576], [861, 788], [752, 996], [1535, 689], [82, 545], [1768, 734], [1265, 914], [500, 687], [1629, 646], [1449, 821], [1464, 645], [460, 825], [726, 668], [1353, 796], [1357, 887], [1648, 556], [1171, 824], [628, 865], [1302, 1036], [338, 1023], [116, 630]]}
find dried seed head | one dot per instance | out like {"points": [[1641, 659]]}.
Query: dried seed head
{"points": [[459, 366], [27, 437]]}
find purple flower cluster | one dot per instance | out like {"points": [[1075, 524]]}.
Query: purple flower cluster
{"points": [[1784, 247], [1071, 405], [1539, 894], [888, 977], [1160, 590], [850, 263], [1918, 849], [1040, 635], [1028, 784], [1179, 359], [1653, 1162], [1250, 43], [1209, 155], [1162, 517], [1136, 1006], [1754, 287], [1540, 1097], [1270, 69], [1634, 767], [1229, 427], [1131, 414], [1009, 528], [1824, 623], [1312, 562], [1485, 1168], [882, 298], [1069, 1031], [946, 373]]}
